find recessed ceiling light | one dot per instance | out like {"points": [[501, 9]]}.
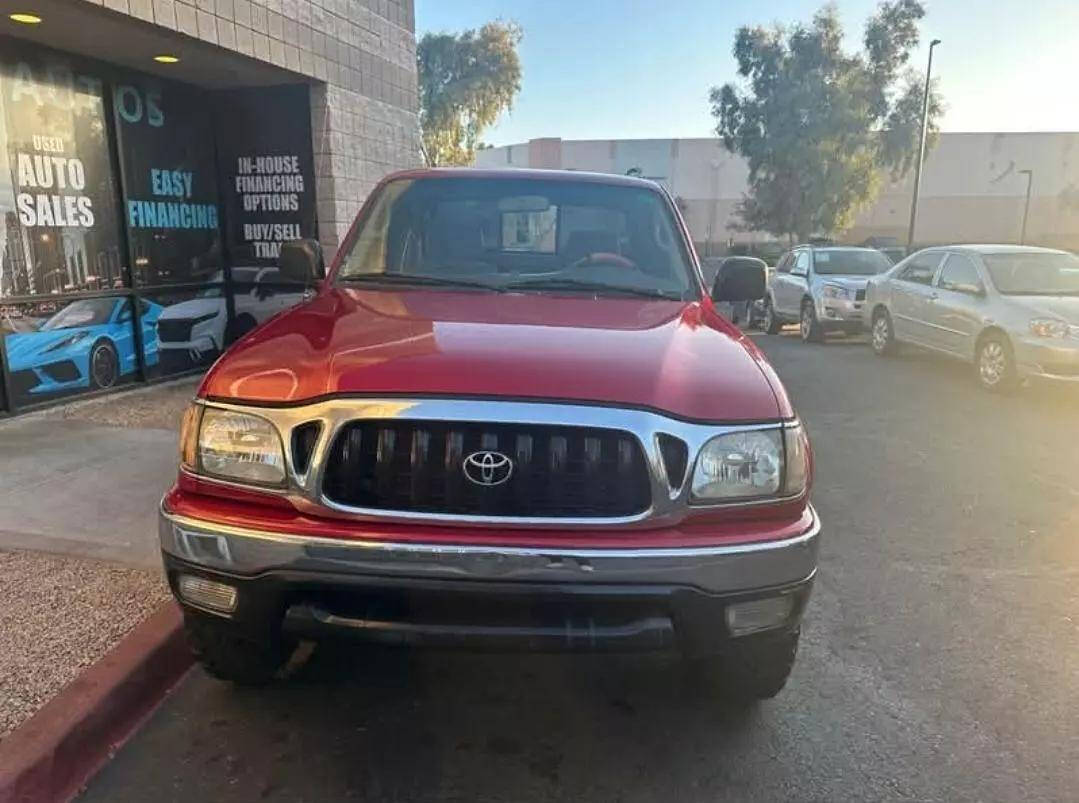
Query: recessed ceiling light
{"points": [[26, 19], [165, 58]]}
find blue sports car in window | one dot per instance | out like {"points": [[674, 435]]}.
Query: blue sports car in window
{"points": [[87, 345]]}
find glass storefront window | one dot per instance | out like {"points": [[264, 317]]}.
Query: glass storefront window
{"points": [[59, 231], [166, 148], [59, 348], [190, 328], [113, 180]]}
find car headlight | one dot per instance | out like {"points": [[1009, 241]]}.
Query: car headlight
{"points": [[1048, 327], [752, 464], [70, 340], [835, 291], [232, 446]]}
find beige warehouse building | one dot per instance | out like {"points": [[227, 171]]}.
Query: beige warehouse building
{"points": [[972, 189]]}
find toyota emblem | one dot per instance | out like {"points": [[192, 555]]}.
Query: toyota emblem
{"points": [[487, 468]]}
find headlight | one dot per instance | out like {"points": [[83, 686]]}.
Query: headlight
{"points": [[242, 447], [835, 291], [752, 464], [1048, 327], [739, 465], [70, 340]]}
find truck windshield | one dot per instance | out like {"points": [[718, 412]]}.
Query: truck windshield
{"points": [[522, 235], [848, 262]]}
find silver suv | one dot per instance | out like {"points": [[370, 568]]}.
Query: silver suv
{"points": [[822, 288]]}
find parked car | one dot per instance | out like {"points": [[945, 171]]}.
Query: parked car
{"points": [[87, 345], [196, 329], [511, 418], [746, 313], [1013, 311], [821, 288]]}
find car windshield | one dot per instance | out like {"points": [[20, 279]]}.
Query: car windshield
{"points": [[1034, 274], [91, 312], [850, 262], [522, 235]]}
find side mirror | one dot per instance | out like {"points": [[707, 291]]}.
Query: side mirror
{"points": [[740, 279], [301, 261]]}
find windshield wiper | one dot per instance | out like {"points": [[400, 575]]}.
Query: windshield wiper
{"points": [[417, 279], [595, 287]]}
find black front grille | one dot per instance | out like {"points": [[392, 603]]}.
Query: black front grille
{"points": [[557, 472], [859, 295], [174, 331]]}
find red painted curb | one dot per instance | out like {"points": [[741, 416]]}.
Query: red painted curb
{"points": [[55, 752]]}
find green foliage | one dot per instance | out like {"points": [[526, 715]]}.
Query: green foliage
{"points": [[819, 127], [466, 81]]}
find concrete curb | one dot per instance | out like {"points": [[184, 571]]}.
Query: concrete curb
{"points": [[54, 753]]}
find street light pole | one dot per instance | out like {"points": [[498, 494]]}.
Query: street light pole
{"points": [[1026, 207], [716, 164], [921, 147]]}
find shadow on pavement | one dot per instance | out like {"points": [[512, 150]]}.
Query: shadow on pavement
{"points": [[384, 724]]}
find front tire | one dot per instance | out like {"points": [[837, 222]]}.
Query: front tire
{"points": [[882, 335], [995, 364], [754, 668], [229, 654], [104, 365], [808, 325], [771, 323]]}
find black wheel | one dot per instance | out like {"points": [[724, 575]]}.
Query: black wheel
{"points": [[229, 654], [755, 667], [808, 325], [104, 365], [883, 334], [995, 363], [771, 323]]}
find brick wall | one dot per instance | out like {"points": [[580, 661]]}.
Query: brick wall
{"points": [[361, 58]]}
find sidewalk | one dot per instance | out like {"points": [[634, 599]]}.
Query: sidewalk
{"points": [[85, 479], [79, 561]]}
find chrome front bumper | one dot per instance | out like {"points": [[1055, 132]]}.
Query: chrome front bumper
{"points": [[713, 570]]}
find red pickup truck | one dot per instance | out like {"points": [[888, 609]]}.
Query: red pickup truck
{"points": [[509, 417]]}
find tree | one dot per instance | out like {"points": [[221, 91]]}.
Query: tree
{"points": [[466, 81], [819, 127]]}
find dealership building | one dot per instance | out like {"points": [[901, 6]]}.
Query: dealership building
{"points": [[974, 188], [154, 155]]}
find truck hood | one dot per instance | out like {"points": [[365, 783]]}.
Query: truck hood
{"points": [[679, 357]]}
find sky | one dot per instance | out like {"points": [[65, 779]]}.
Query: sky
{"points": [[619, 69]]}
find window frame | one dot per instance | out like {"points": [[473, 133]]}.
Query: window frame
{"points": [[807, 253], [900, 277], [939, 278]]}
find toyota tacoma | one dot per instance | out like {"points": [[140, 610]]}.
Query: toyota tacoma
{"points": [[507, 417]]}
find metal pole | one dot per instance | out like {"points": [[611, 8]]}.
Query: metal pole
{"points": [[921, 147], [1026, 206], [714, 206]]}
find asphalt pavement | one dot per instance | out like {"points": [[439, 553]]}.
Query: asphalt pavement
{"points": [[940, 657]]}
